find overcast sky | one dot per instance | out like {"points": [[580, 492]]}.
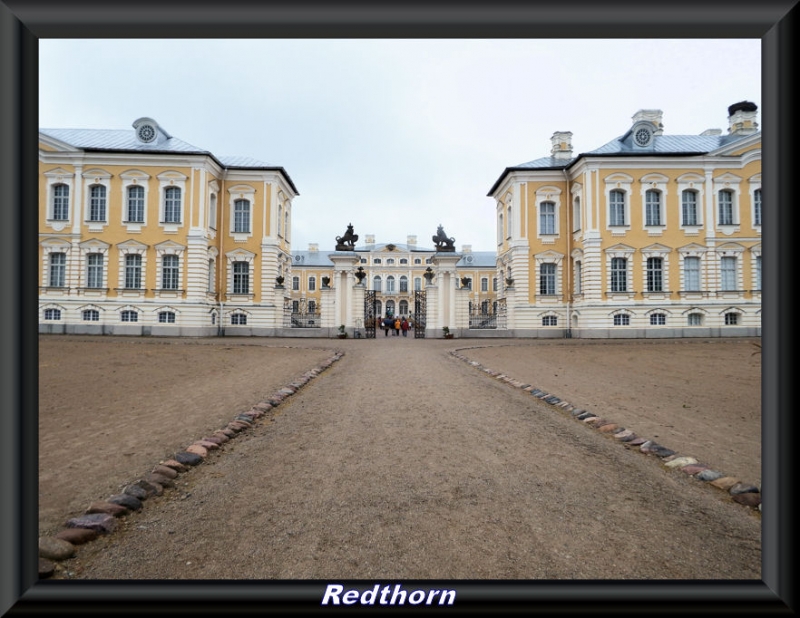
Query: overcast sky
{"points": [[394, 136]]}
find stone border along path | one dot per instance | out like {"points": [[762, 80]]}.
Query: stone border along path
{"points": [[742, 493], [100, 517]]}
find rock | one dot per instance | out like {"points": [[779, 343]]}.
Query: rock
{"points": [[660, 451], [52, 548], [197, 450], [117, 510], [165, 471], [46, 568], [209, 446], [679, 462], [726, 482], [160, 479], [610, 427], [152, 489], [175, 465], [77, 536], [694, 468], [100, 522], [189, 459], [128, 501], [137, 492], [748, 499], [625, 433], [742, 488], [709, 475], [638, 441]]}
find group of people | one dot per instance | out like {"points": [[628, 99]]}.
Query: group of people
{"points": [[395, 324]]}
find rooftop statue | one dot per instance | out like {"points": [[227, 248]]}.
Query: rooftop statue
{"points": [[442, 242], [348, 241]]}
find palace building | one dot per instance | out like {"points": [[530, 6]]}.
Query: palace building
{"points": [[649, 235]]}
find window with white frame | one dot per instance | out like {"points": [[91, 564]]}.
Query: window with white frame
{"points": [[658, 319], [508, 221], [170, 272], [547, 279], [166, 317], [135, 204], [312, 306], [94, 270], [172, 205], [211, 276], [547, 218], [295, 306], [652, 204], [655, 274], [60, 211], [494, 284], [691, 273], [129, 315], [376, 283], [403, 283], [403, 307], [417, 261], [757, 207], [280, 220], [239, 319], [484, 284], [576, 214], [52, 314], [312, 284], [403, 261], [731, 319], [377, 261], [58, 270], [689, 208], [295, 283], [133, 271], [616, 207], [622, 319], [286, 227], [90, 315], [390, 261], [390, 284], [417, 284], [550, 320], [97, 203], [212, 211], [241, 216], [578, 283], [500, 228], [725, 204], [727, 273], [695, 319], [619, 274], [241, 278]]}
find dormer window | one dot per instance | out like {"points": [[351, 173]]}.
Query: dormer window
{"points": [[146, 133], [642, 136]]}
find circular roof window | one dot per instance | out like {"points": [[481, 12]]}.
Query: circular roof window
{"points": [[643, 136], [146, 133]]}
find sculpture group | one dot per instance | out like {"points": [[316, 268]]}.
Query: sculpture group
{"points": [[348, 241], [442, 242]]}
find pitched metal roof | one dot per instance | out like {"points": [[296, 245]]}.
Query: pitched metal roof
{"points": [[473, 259], [117, 139]]}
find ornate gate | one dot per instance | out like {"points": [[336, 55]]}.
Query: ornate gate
{"points": [[420, 312], [370, 315]]}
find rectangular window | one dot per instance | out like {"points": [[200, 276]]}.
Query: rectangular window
{"points": [[241, 279], [91, 315], [617, 207], [728, 274], [731, 319], [484, 284], [417, 284], [652, 207], [549, 320], [295, 283], [547, 279], [166, 317], [170, 272], [312, 284], [135, 204], [172, 205], [239, 319], [578, 278], [376, 284], [695, 319], [658, 319], [97, 203], [619, 275], [133, 272], [689, 207], [389, 284], [241, 216], [129, 316], [547, 218], [691, 274], [622, 319], [758, 273], [403, 284], [494, 284], [757, 207], [52, 314], [58, 269], [94, 270], [655, 275], [726, 207], [60, 202]]}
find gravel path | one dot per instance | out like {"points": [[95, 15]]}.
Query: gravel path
{"points": [[401, 461]]}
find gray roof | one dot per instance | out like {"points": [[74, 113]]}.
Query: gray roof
{"points": [[473, 259], [116, 139]]}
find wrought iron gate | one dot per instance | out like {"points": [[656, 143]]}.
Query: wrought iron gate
{"points": [[370, 315], [420, 312]]}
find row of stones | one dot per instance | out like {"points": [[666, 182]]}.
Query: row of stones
{"points": [[101, 517], [743, 493]]}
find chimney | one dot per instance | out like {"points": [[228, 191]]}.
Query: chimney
{"points": [[312, 246], [742, 118], [369, 239], [712, 132], [651, 115], [562, 145], [411, 241], [466, 248]]}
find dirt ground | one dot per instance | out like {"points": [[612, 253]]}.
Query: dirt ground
{"points": [[401, 460]]}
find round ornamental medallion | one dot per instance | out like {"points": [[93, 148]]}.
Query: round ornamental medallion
{"points": [[642, 136], [146, 133]]}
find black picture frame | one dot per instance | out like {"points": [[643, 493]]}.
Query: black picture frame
{"points": [[24, 22]]}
